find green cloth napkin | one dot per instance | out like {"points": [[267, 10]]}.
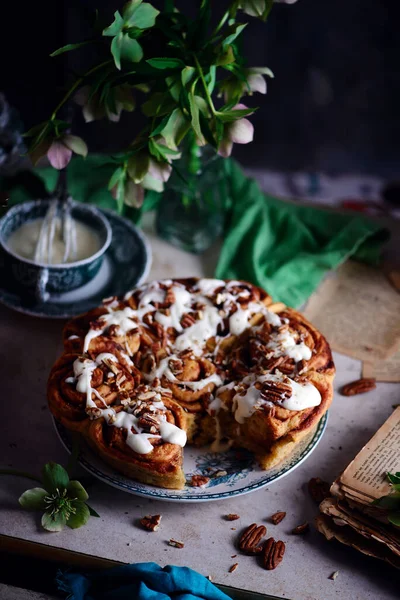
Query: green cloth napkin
{"points": [[287, 248]]}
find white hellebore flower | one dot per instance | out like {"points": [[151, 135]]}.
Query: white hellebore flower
{"points": [[236, 132]]}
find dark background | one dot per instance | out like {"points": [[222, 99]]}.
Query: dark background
{"points": [[333, 105]]}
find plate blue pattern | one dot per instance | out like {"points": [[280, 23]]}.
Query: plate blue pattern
{"points": [[126, 264], [231, 473]]}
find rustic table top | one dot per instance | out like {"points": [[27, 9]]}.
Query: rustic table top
{"points": [[30, 346]]}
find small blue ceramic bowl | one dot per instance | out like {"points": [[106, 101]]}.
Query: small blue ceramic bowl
{"points": [[39, 279]]}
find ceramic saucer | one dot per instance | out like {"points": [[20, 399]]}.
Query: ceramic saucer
{"points": [[126, 264]]}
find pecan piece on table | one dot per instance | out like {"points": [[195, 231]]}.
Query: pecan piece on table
{"points": [[151, 522], [250, 539], [301, 529], [360, 386], [232, 517], [233, 567], [277, 517], [176, 543], [319, 489], [273, 553]]}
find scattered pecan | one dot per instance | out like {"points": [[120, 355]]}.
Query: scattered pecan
{"points": [[233, 567], [158, 330], [176, 366], [199, 480], [301, 529], [276, 391], [272, 553], [333, 575], [114, 331], [250, 539], [273, 363], [151, 522], [232, 517], [319, 489], [149, 423], [148, 318], [176, 543], [277, 517], [187, 320], [361, 386], [97, 324]]}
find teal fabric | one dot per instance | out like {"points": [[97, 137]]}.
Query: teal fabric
{"points": [[287, 248], [141, 581]]}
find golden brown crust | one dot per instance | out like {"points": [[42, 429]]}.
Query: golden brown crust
{"points": [[147, 357]]}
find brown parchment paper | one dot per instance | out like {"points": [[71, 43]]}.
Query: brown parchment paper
{"points": [[387, 369], [358, 311]]}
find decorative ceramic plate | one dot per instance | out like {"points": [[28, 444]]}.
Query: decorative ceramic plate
{"points": [[231, 473], [126, 264]]}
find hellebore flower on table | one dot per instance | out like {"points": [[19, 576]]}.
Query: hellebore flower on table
{"points": [[240, 131], [63, 501]]}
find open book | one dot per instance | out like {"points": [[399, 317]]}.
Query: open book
{"points": [[349, 515]]}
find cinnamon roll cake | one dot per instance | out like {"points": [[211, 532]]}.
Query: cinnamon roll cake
{"points": [[198, 361]]}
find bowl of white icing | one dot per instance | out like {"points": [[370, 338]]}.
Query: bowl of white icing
{"points": [[19, 233]]}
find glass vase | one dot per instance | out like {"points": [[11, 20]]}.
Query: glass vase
{"points": [[192, 208]]}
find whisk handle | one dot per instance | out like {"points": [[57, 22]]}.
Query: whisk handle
{"points": [[41, 294]]}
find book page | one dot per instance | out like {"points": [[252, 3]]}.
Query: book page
{"points": [[367, 472], [384, 370], [358, 311]]}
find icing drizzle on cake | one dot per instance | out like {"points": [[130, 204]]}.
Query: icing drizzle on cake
{"points": [[191, 316]]}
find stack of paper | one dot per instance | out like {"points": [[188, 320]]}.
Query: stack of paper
{"points": [[349, 515]]}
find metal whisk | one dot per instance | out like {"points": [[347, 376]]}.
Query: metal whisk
{"points": [[59, 210]]}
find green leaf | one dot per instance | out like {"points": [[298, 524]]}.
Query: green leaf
{"points": [[76, 490], [159, 104], [166, 63], [233, 115], [76, 144], [394, 478], [268, 7], [212, 79], [144, 16], [187, 75], [116, 26], [175, 129], [70, 47], [55, 477], [234, 30], [33, 499], [115, 177], [226, 57], [80, 517], [55, 522], [159, 127], [394, 518], [36, 129], [93, 513], [391, 502], [208, 134], [195, 120], [202, 104], [174, 87]]}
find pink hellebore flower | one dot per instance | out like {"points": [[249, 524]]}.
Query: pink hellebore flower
{"points": [[61, 149], [236, 132]]}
